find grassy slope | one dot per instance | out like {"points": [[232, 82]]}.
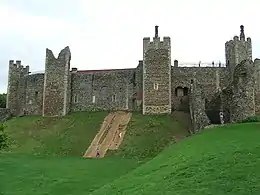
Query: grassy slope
{"points": [[59, 143], [70, 135], [218, 161], [35, 175], [147, 136]]}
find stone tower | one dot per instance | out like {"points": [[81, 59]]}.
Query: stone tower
{"points": [[243, 91], [16, 96], [56, 94], [237, 50], [156, 75]]}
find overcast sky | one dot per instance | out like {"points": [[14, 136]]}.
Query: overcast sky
{"points": [[108, 34]]}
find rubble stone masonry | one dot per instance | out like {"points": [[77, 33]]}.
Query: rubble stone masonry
{"points": [[153, 87]]}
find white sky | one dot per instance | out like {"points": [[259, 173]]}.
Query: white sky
{"points": [[108, 34]]}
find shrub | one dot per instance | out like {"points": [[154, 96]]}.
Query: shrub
{"points": [[251, 119], [3, 137]]}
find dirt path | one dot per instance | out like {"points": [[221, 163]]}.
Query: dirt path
{"points": [[110, 135], [120, 133]]}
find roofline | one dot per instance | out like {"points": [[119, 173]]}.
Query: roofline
{"points": [[104, 70]]}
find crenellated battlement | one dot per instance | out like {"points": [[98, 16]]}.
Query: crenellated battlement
{"points": [[156, 43], [239, 39], [156, 75], [237, 50], [155, 86], [18, 67]]}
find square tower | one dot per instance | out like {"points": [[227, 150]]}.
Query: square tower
{"points": [[238, 50], [157, 75]]}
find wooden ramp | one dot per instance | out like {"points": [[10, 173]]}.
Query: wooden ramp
{"points": [[110, 135]]}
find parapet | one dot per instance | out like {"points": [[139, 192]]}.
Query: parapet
{"points": [[18, 67], [240, 38], [156, 43]]}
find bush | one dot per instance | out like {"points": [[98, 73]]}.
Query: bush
{"points": [[251, 119], [2, 100], [3, 137]]}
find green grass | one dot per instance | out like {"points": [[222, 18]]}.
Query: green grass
{"points": [[147, 136], [217, 161], [69, 135], [45, 153], [35, 175], [45, 158]]}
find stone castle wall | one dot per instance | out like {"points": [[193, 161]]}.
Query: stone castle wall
{"points": [[16, 87], [237, 50], [121, 89], [34, 94], [211, 80], [257, 86], [102, 90], [243, 102], [56, 83], [198, 114], [157, 76], [154, 86]]}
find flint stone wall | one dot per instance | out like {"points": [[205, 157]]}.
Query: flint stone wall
{"points": [[243, 86], [211, 80], [102, 90], [56, 83], [34, 94], [257, 86], [5, 114], [198, 114]]}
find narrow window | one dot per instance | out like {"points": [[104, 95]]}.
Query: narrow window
{"points": [[155, 86], [36, 95], [113, 98], [93, 99], [75, 98], [104, 92]]}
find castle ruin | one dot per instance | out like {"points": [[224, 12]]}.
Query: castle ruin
{"points": [[155, 86]]}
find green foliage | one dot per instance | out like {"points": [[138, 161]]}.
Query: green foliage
{"points": [[3, 137], [251, 119], [2, 100]]}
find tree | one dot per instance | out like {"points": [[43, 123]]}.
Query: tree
{"points": [[2, 100]]}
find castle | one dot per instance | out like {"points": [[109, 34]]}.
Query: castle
{"points": [[153, 87]]}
